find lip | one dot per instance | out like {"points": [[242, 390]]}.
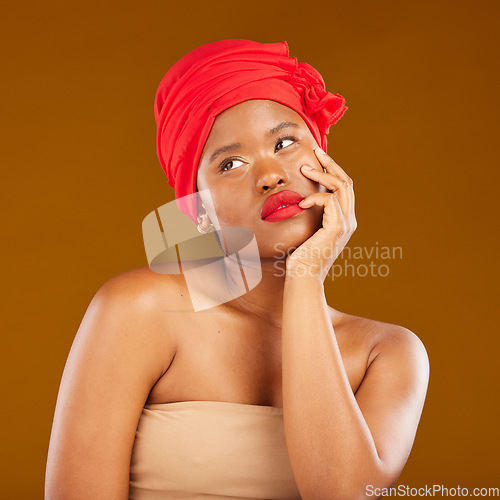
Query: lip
{"points": [[272, 213]]}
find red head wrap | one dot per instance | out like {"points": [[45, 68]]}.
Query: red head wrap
{"points": [[215, 76]]}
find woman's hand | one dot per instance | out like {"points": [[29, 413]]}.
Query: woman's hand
{"points": [[316, 255]]}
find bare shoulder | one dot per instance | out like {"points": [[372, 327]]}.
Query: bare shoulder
{"points": [[145, 289], [144, 283], [129, 315], [132, 309], [122, 347], [379, 337]]}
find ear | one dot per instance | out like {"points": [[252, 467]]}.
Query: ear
{"points": [[200, 209]]}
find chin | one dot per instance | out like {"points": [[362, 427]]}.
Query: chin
{"points": [[278, 239]]}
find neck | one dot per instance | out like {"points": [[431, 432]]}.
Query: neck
{"points": [[265, 282]]}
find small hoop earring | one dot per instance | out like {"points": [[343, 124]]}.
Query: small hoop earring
{"points": [[202, 227]]}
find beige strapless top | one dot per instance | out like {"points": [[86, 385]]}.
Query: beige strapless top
{"points": [[211, 450]]}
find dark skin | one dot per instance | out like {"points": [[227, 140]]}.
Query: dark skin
{"points": [[352, 389], [240, 180], [263, 165], [303, 343]]}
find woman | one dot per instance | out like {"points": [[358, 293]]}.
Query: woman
{"points": [[273, 393]]}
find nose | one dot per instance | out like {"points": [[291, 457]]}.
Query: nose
{"points": [[270, 176]]}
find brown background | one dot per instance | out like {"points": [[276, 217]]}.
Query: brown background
{"points": [[79, 173]]}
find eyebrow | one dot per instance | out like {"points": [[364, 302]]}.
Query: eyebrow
{"points": [[236, 145]]}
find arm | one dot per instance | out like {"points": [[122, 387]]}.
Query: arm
{"points": [[339, 443], [112, 366]]}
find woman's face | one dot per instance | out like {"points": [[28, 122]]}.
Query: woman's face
{"points": [[255, 162]]}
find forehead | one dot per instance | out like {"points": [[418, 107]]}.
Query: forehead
{"points": [[253, 117], [252, 110]]}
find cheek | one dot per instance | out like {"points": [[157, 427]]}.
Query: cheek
{"points": [[227, 210], [305, 156]]}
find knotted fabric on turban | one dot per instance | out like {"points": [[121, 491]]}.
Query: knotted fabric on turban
{"points": [[215, 76]]}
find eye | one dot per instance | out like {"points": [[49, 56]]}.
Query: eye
{"points": [[228, 162], [284, 139]]}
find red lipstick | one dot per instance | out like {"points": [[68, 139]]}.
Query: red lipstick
{"points": [[281, 206]]}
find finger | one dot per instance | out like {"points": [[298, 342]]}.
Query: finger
{"points": [[328, 180], [319, 199], [345, 221], [333, 183], [333, 218], [334, 168], [331, 166]]}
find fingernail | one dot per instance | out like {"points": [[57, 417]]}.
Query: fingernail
{"points": [[305, 167]]}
